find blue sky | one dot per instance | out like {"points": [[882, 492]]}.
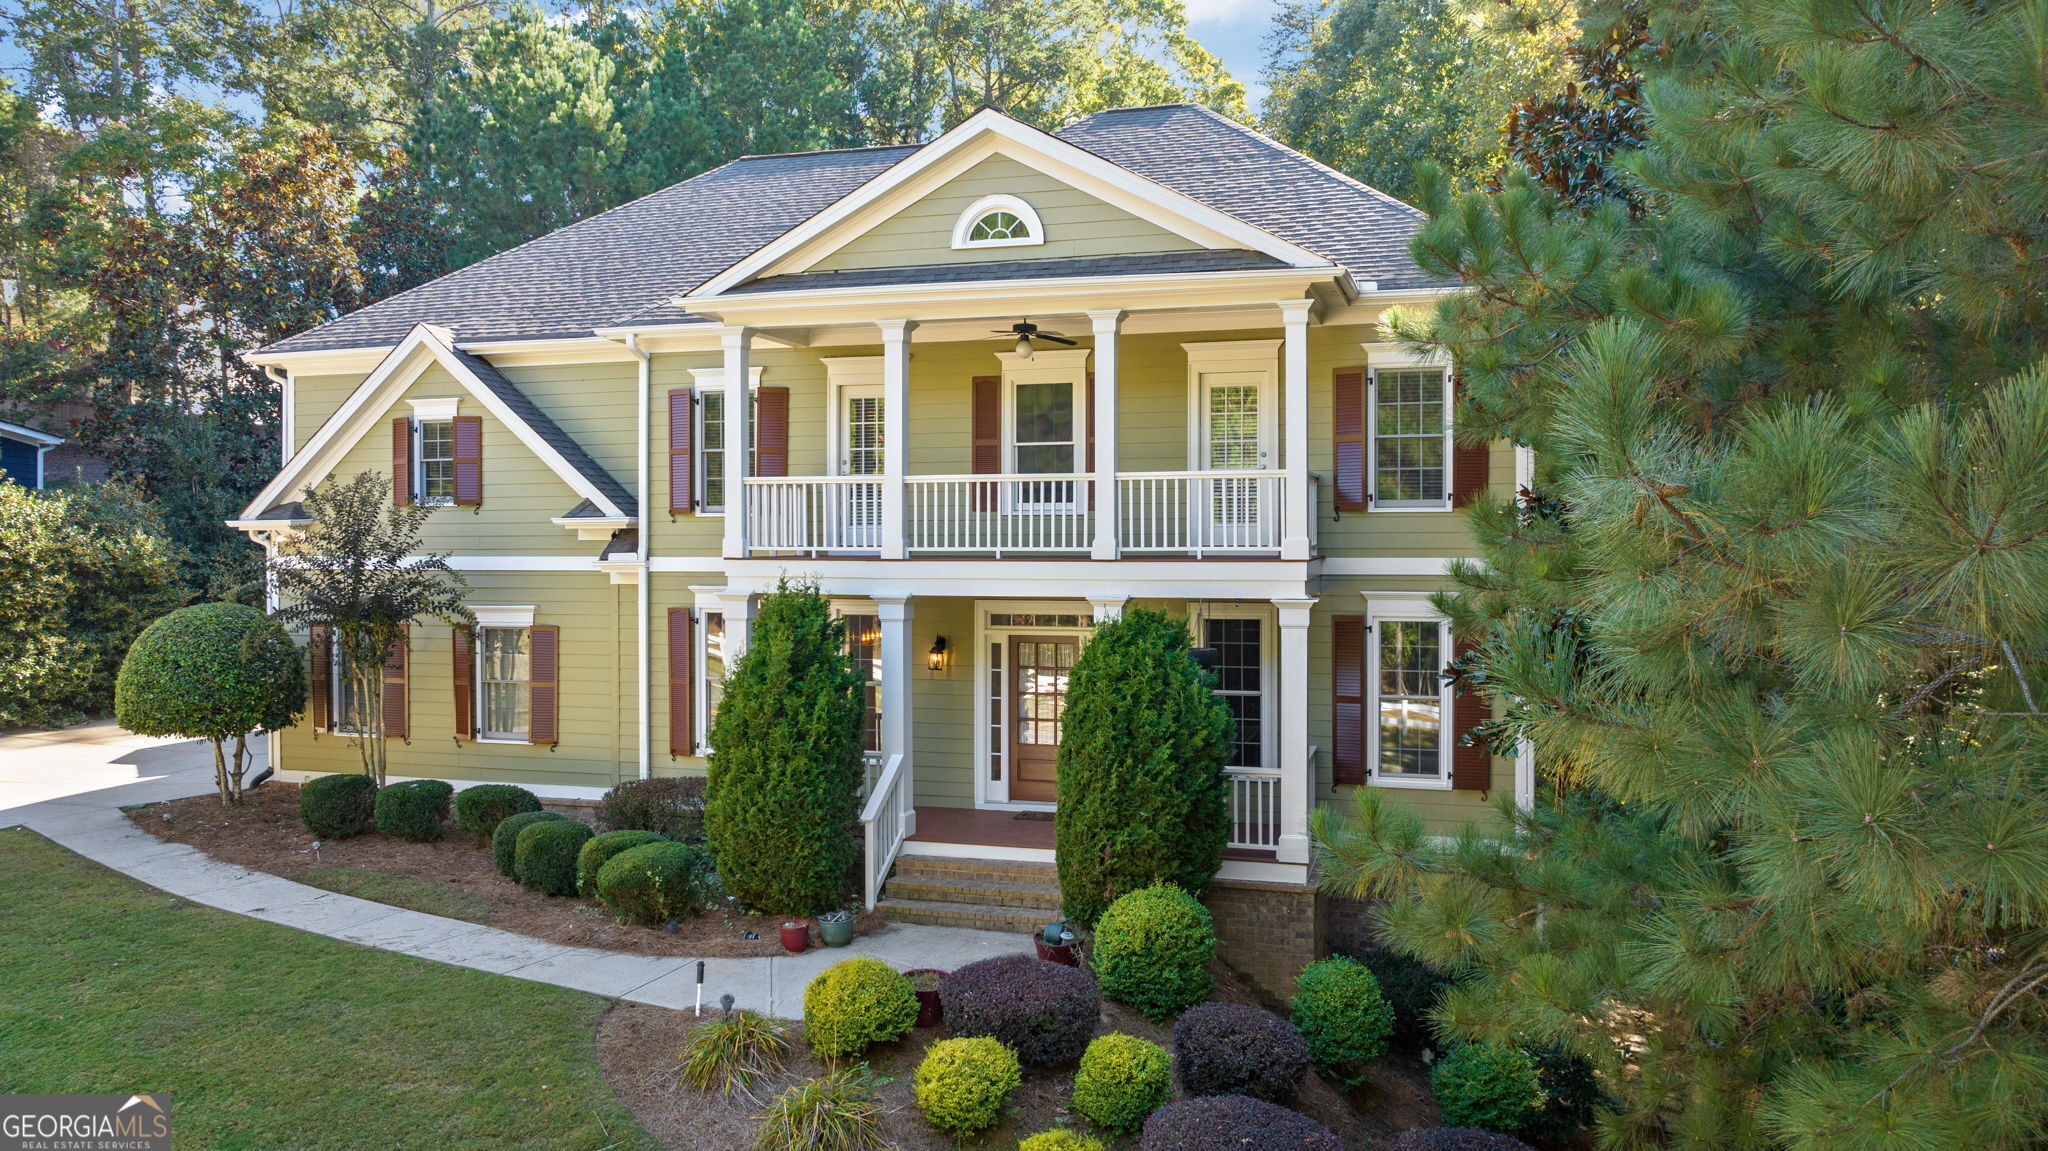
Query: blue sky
{"points": [[1236, 31]]}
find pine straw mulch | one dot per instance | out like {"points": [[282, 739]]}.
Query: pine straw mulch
{"points": [[263, 833], [637, 1046]]}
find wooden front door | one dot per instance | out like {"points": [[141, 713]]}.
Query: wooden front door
{"points": [[1039, 667]]}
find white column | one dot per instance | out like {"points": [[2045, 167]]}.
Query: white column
{"points": [[1297, 772], [895, 432], [739, 620], [739, 438], [1103, 428], [898, 653], [1294, 404], [1108, 606]]}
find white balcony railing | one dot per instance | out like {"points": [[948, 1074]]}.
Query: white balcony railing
{"points": [[999, 515], [1254, 808], [1200, 513], [815, 514]]}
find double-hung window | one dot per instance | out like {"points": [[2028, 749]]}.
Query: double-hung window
{"points": [[864, 647], [436, 462], [710, 657], [1411, 438], [351, 710], [504, 682], [711, 453], [1240, 684], [1410, 700]]}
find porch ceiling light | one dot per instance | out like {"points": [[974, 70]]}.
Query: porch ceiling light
{"points": [[1023, 347], [936, 657]]}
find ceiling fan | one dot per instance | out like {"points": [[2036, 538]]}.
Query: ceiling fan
{"points": [[1026, 331]]}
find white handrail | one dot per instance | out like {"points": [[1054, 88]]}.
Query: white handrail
{"points": [[884, 825], [1254, 808]]}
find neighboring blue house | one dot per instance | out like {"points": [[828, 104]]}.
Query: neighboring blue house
{"points": [[21, 453]]}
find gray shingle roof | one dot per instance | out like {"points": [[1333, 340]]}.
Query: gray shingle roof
{"points": [[1205, 155], [1143, 263], [621, 267], [549, 431]]}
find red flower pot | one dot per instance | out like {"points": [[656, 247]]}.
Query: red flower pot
{"points": [[1055, 952], [930, 1012], [796, 935]]}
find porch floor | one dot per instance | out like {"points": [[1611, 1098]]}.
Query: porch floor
{"points": [[983, 828]]}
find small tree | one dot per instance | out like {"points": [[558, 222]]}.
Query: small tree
{"points": [[784, 795], [357, 571], [1142, 798], [213, 671]]}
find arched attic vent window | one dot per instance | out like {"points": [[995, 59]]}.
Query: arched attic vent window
{"points": [[998, 222]]}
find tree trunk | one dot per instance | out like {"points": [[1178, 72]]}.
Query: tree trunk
{"points": [[241, 767], [220, 775]]}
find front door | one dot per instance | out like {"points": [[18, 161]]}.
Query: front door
{"points": [[858, 512], [1039, 667], [1234, 439]]}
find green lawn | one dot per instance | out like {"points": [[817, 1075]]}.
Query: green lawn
{"points": [[398, 891], [267, 1037]]}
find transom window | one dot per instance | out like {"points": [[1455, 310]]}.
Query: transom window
{"points": [[998, 222], [1410, 437], [1000, 226], [1409, 701], [437, 462], [504, 682]]}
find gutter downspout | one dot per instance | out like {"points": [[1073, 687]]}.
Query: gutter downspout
{"points": [[646, 550]]}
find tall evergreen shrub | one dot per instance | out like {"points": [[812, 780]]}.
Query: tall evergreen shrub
{"points": [[782, 807], [1142, 798]]}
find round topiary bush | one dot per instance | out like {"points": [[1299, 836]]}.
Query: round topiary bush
{"points": [[854, 1003], [1455, 1139], [963, 1084], [1059, 1139], [599, 849], [672, 806], [1228, 1049], [1233, 1123], [1152, 951], [1573, 1095], [544, 855], [656, 882], [1339, 1010], [1122, 1080], [479, 809], [413, 810], [1413, 989], [1481, 1085], [1045, 1012], [338, 806], [505, 838]]}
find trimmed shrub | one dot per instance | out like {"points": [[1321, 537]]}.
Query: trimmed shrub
{"points": [[656, 882], [1572, 1092], [1140, 768], [963, 1084], [854, 1003], [413, 810], [1233, 1123], [1481, 1085], [544, 855], [598, 851], [338, 806], [835, 1112], [1413, 989], [1122, 1080], [671, 806], [1338, 1008], [479, 809], [782, 808], [1455, 1139], [1059, 1139], [1045, 1012], [1228, 1049], [1152, 951], [505, 837], [216, 672]]}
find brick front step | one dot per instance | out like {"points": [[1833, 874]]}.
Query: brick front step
{"points": [[1036, 897], [979, 870], [978, 916]]}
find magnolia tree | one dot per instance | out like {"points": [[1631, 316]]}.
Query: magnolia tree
{"points": [[357, 571], [214, 671]]}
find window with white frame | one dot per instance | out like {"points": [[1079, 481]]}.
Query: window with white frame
{"points": [[1240, 669], [864, 647], [504, 682], [436, 462], [1410, 699], [351, 710], [1411, 437], [711, 455], [998, 222], [710, 657]]}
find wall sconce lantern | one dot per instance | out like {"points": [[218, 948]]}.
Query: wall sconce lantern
{"points": [[936, 658]]}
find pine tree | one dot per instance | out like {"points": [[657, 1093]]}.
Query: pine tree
{"points": [[1772, 615]]}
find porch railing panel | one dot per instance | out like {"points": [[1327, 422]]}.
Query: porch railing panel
{"points": [[1254, 809], [999, 515], [1200, 513], [815, 514], [885, 822]]}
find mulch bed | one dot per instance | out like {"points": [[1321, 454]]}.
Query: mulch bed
{"points": [[264, 834], [637, 1046]]}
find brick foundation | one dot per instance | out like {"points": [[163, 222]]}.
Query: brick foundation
{"points": [[1267, 932]]}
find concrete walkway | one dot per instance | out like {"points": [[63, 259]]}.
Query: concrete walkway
{"points": [[70, 785]]}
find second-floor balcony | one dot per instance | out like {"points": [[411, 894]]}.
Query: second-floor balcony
{"points": [[1197, 514]]}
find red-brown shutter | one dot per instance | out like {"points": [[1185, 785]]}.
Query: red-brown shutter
{"points": [[1471, 761], [1347, 683], [469, 461], [397, 720], [465, 683], [682, 472], [986, 426], [771, 432], [320, 684], [682, 735], [401, 462], [1469, 464], [1347, 430], [544, 667]]}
